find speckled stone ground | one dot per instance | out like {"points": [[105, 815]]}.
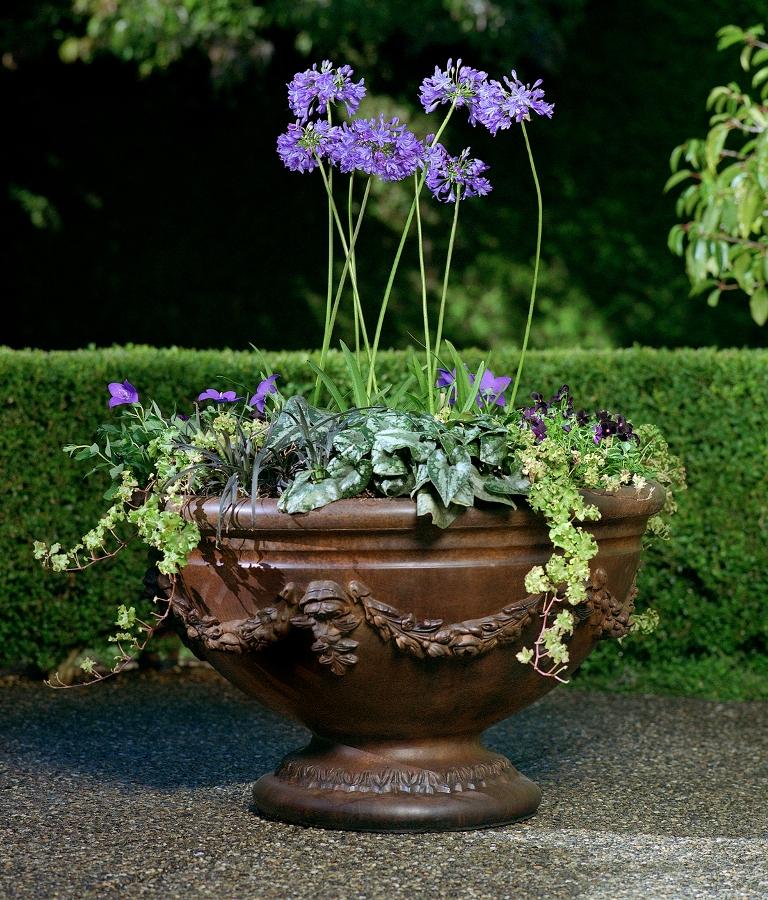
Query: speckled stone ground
{"points": [[139, 787]]}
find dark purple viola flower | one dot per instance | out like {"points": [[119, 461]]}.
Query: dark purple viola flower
{"points": [[539, 404], [259, 399], [302, 145], [122, 392], [605, 427], [311, 91], [582, 417], [387, 149], [499, 105], [460, 83], [539, 429], [536, 423], [567, 427], [449, 177], [624, 430], [562, 399], [492, 388], [218, 396]]}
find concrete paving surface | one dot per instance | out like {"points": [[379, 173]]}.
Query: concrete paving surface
{"points": [[140, 787]]}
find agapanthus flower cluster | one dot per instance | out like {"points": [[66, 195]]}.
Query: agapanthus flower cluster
{"points": [[499, 105], [455, 177], [311, 91], [457, 84], [388, 149], [489, 394], [494, 104], [302, 146], [385, 148]]}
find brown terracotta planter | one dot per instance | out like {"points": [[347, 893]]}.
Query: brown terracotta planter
{"points": [[394, 642]]}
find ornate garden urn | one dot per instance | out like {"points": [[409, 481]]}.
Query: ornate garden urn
{"points": [[395, 643]]}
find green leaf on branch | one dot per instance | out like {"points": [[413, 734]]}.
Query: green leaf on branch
{"points": [[675, 179], [714, 146], [713, 298], [758, 306]]}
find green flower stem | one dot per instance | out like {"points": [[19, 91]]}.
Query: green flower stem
{"points": [[350, 230], [535, 270], [339, 291], [399, 253], [439, 334], [424, 306], [348, 252], [348, 262], [329, 290]]}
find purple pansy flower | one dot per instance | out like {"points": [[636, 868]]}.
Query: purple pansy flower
{"points": [[499, 106], [449, 177], [302, 145], [122, 392], [459, 83], [218, 396], [388, 149], [259, 399], [312, 90]]}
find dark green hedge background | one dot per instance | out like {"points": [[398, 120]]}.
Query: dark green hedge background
{"points": [[709, 583]]}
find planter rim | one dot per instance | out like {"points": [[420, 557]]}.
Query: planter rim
{"points": [[397, 513]]}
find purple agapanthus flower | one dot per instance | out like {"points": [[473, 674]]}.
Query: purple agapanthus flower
{"points": [[387, 149], [451, 177], [259, 399], [302, 145], [499, 105], [122, 392], [311, 91], [218, 396], [458, 83]]}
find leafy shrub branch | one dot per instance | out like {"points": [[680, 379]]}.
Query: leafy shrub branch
{"points": [[723, 235]]}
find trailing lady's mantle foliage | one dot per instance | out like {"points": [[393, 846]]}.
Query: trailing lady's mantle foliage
{"points": [[445, 436]]}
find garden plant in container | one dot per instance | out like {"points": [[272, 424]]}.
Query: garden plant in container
{"points": [[396, 565]]}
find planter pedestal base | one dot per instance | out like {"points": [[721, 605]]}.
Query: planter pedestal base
{"points": [[449, 784]]}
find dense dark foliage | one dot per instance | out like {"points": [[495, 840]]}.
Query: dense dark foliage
{"points": [[156, 210], [708, 582]]}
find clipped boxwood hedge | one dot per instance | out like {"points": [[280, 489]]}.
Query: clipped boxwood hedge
{"points": [[709, 582]]}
